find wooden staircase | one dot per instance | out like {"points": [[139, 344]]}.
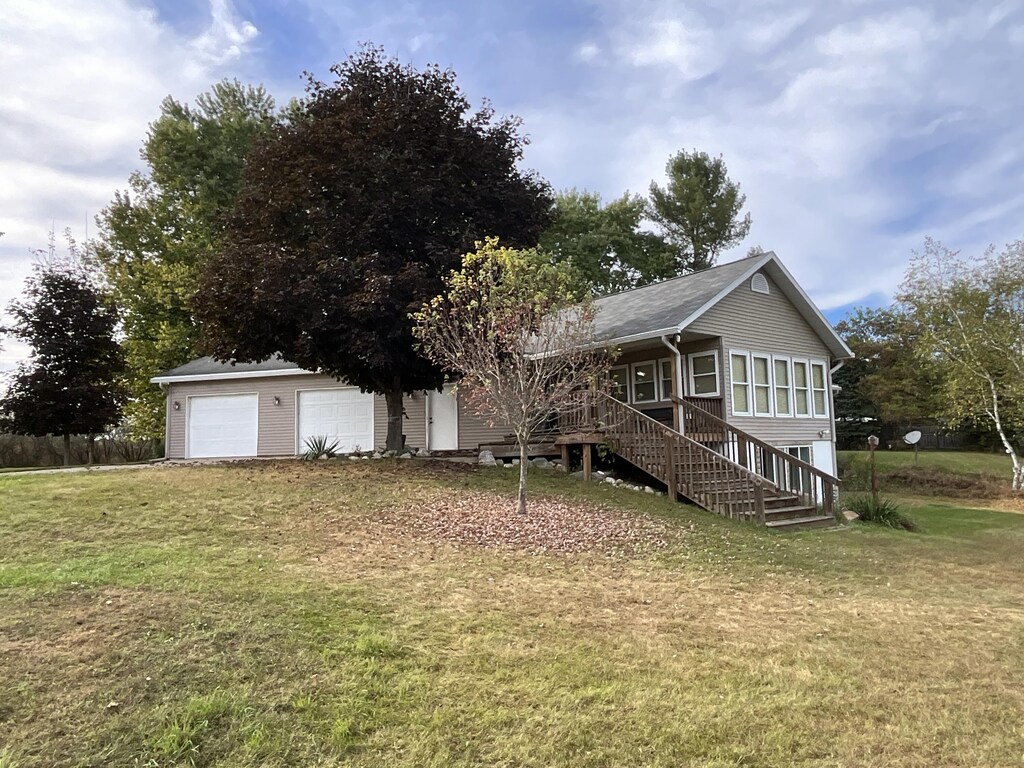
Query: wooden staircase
{"points": [[737, 476]]}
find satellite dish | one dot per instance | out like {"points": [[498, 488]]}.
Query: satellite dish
{"points": [[913, 438]]}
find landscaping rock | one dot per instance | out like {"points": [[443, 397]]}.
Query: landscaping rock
{"points": [[515, 462], [406, 455], [486, 459], [849, 515], [610, 480], [648, 489], [541, 463]]}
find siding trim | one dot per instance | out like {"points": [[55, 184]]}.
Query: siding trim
{"points": [[230, 375]]}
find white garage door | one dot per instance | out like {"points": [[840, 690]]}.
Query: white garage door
{"points": [[342, 415], [222, 426]]}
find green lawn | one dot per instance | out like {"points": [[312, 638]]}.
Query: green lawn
{"points": [[293, 614], [957, 462]]}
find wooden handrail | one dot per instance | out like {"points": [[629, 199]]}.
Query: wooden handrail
{"points": [[759, 442], [783, 463], [713, 463], [706, 476]]}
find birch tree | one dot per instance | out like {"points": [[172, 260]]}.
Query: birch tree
{"points": [[508, 327], [971, 315]]}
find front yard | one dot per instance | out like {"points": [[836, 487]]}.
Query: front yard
{"points": [[353, 613]]}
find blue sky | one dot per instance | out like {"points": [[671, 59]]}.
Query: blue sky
{"points": [[856, 128]]}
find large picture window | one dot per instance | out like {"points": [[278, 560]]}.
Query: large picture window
{"points": [[704, 373], [740, 374]]}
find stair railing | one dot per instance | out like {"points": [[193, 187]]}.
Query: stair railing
{"points": [[706, 477], [786, 472]]}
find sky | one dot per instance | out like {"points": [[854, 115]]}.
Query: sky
{"points": [[855, 128]]}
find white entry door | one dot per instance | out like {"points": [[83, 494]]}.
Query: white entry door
{"points": [[222, 426], [442, 420], [343, 415]]}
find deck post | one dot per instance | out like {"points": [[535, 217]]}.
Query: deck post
{"points": [[586, 461], [670, 468], [759, 501], [565, 457]]}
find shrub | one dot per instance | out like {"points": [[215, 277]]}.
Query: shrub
{"points": [[318, 447], [882, 512]]}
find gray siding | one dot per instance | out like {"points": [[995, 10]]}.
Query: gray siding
{"points": [[769, 324], [474, 431], [278, 427]]}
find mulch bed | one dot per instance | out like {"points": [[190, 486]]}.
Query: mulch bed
{"points": [[551, 526]]}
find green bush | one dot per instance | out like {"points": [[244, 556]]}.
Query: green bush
{"points": [[319, 447], [882, 512]]}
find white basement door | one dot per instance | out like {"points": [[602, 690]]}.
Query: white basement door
{"points": [[342, 415], [222, 426]]}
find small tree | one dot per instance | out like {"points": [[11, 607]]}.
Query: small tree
{"points": [[971, 319], [699, 209], [71, 383], [507, 324]]}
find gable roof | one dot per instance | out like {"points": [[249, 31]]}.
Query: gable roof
{"points": [[670, 306], [206, 368], [660, 309]]}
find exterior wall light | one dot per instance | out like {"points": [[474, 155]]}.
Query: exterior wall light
{"points": [[277, 400], [177, 405]]}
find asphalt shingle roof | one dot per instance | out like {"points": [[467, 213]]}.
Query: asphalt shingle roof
{"points": [[663, 305], [207, 365]]}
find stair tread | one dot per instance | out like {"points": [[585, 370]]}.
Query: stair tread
{"points": [[797, 521], [794, 508]]}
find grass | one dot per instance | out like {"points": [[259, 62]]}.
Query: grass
{"points": [[255, 615], [995, 465]]}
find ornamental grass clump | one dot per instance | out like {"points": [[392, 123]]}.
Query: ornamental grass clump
{"points": [[881, 511]]}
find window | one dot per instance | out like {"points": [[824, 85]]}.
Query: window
{"points": [[645, 386], [667, 387], [704, 373], [761, 368], [819, 395], [783, 397], [801, 391], [740, 383], [775, 468], [619, 383]]}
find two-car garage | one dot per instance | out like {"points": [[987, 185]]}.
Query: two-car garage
{"points": [[266, 416]]}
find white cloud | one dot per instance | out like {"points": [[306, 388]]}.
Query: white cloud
{"points": [[82, 79], [855, 129]]}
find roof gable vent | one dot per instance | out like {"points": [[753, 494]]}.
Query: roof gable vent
{"points": [[759, 283]]}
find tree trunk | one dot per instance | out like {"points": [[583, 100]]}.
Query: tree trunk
{"points": [[90, 441], [521, 506], [1018, 470], [393, 398], [67, 450]]}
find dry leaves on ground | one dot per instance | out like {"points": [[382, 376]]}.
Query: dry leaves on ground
{"points": [[550, 525]]}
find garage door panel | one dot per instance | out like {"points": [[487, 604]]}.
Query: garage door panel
{"points": [[341, 415], [222, 426]]}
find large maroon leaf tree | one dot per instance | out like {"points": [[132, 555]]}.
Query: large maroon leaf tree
{"points": [[350, 215]]}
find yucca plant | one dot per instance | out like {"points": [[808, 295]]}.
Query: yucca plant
{"points": [[881, 511], [318, 447]]}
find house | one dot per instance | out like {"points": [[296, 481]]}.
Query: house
{"points": [[736, 355]]}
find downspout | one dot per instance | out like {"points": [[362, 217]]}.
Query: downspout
{"points": [[677, 385]]}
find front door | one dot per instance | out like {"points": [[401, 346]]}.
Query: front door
{"points": [[442, 420]]}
